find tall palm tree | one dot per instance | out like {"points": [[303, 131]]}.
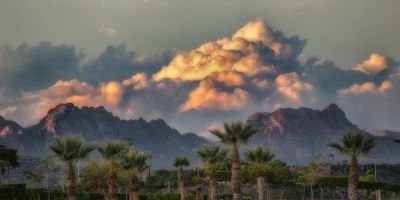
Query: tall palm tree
{"points": [[112, 151], [259, 158], [212, 156], [197, 179], [181, 162], [135, 162], [354, 144], [235, 134], [70, 149]]}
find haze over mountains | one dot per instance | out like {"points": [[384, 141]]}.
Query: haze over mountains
{"points": [[295, 135]]}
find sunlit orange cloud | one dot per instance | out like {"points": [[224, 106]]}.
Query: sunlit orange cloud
{"points": [[239, 53], [290, 86], [373, 65], [138, 81], [366, 88], [207, 97], [80, 93], [258, 31]]}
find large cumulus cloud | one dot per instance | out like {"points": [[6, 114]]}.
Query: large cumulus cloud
{"points": [[235, 70]]}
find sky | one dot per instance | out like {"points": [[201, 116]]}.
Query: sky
{"points": [[197, 64]]}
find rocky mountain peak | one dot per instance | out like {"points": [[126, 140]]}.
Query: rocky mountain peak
{"points": [[8, 127], [66, 116], [334, 109], [297, 134], [96, 124], [289, 120]]}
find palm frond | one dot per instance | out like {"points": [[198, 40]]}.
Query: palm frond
{"points": [[354, 143], [368, 145], [181, 162], [70, 148], [259, 155]]}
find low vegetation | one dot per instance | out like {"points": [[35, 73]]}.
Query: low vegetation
{"points": [[116, 170]]}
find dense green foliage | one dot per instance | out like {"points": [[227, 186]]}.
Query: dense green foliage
{"points": [[8, 159]]}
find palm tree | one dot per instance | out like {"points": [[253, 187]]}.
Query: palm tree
{"points": [[70, 149], [181, 162], [212, 157], [234, 134], [354, 144], [259, 158], [135, 162], [197, 179], [112, 151]]}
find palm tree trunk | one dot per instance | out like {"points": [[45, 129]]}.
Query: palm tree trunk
{"points": [[198, 191], [321, 193], [212, 187], [112, 185], [134, 188], [181, 185], [70, 182], [353, 180], [235, 176], [260, 187], [312, 192]]}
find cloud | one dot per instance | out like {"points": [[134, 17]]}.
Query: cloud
{"points": [[234, 71], [35, 67], [138, 81], [80, 93], [373, 65], [207, 97], [252, 50], [290, 91], [290, 86], [327, 78], [107, 31], [38, 66], [258, 31], [117, 63], [8, 111], [367, 87], [206, 133], [255, 69], [373, 106]]}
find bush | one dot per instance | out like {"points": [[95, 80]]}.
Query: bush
{"points": [[36, 194], [89, 196], [160, 196], [342, 182], [12, 191]]}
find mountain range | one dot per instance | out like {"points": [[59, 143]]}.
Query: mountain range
{"points": [[299, 135], [96, 124], [294, 135]]}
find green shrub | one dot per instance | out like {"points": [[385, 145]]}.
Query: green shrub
{"points": [[342, 182], [12, 191], [36, 193], [160, 196]]}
